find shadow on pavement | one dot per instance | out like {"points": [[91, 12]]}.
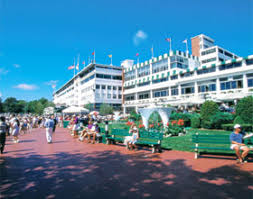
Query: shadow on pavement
{"points": [[110, 174]]}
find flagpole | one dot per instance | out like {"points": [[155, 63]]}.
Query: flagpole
{"points": [[152, 51], [187, 51], [94, 57], [111, 60], [170, 44], [74, 68]]}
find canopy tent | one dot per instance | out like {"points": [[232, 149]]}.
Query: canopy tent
{"points": [[75, 109]]}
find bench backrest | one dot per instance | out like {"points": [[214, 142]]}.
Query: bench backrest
{"points": [[151, 135], [210, 139], [216, 139], [120, 132]]}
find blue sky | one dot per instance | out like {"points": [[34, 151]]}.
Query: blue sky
{"points": [[40, 38]]}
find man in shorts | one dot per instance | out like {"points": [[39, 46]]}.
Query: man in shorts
{"points": [[236, 139]]}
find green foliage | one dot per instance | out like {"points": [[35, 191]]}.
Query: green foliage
{"points": [[134, 116], [238, 120], [12, 105], [89, 106], [244, 109], [154, 118], [245, 127], [184, 116], [195, 121], [174, 130], [105, 109], [1, 106], [208, 109], [221, 118]]}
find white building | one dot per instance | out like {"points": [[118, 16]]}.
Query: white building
{"points": [[180, 79], [95, 84]]}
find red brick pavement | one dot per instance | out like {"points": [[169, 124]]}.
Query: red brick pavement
{"points": [[72, 169]]}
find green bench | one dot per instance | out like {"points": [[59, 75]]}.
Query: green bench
{"points": [[147, 138], [206, 142]]}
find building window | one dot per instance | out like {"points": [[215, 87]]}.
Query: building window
{"points": [[208, 51], [231, 85], [221, 51], [250, 82], [119, 96], [228, 54], [161, 93], [206, 88], [109, 96], [120, 88], [143, 96], [174, 91], [160, 66], [109, 87], [143, 84], [160, 80], [114, 96], [103, 86], [114, 88], [230, 66], [97, 86], [187, 90], [208, 60], [206, 70], [174, 77], [249, 61]]}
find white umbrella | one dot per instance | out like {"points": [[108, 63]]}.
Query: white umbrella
{"points": [[75, 109]]}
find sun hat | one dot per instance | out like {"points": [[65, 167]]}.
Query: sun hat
{"points": [[237, 126]]}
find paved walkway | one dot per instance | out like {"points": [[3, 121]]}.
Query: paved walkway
{"points": [[72, 169]]}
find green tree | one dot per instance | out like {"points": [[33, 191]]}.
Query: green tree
{"points": [[10, 105], [244, 109], [21, 106], [106, 109], [134, 116], [1, 106], [89, 106], [208, 109]]}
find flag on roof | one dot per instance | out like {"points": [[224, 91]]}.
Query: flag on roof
{"points": [[83, 63], [137, 54], [167, 39], [71, 67], [185, 41], [77, 66], [93, 53], [110, 56]]}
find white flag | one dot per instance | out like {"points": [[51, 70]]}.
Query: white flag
{"points": [[77, 66], [185, 41]]}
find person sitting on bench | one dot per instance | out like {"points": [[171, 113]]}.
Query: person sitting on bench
{"points": [[96, 132], [135, 137], [236, 139]]}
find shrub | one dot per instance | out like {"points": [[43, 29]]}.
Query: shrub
{"points": [[244, 109], [245, 127], [174, 130], [238, 120], [184, 116], [195, 121], [208, 109], [134, 116], [221, 118]]}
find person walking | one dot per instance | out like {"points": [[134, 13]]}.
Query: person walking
{"points": [[49, 124], [3, 131], [15, 130]]}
